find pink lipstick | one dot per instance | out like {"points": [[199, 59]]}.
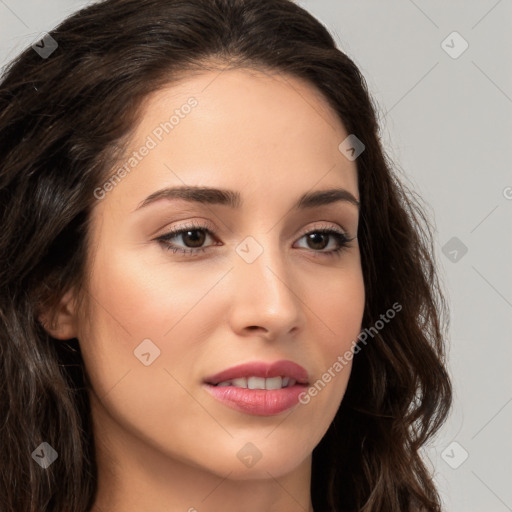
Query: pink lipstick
{"points": [[259, 388]]}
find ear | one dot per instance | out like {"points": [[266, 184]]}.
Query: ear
{"points": [[60, 323]]}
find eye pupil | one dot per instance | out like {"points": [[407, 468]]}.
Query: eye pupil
{"points": [[313, 236], [197, 242]]}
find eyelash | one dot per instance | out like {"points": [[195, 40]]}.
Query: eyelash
{"points": [[343, 240]]}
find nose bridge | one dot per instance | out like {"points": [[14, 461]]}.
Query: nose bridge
{"points": [[263, 277]]}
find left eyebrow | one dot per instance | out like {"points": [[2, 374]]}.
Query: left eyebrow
{"points": [[233, 199]]}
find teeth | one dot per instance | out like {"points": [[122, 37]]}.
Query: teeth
{"points": [[260, 382], [273, 383], [256, 382], [239, 383]]}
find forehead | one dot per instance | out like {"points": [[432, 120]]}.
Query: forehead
{"points": [[251, 106], [241, 129]]}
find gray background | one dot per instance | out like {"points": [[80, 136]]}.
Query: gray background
{"points": [[446, 123]]}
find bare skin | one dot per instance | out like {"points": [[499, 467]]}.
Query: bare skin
{"points": [[164, 443]]}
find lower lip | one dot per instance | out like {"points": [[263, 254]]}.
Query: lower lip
{"points": [[260, 402]]}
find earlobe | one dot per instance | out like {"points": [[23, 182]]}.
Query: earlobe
{"points": [[60, 323]]}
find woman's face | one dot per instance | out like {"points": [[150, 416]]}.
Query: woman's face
{"points": [[261, 285]]}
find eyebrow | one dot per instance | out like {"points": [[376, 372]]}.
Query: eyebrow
{"points": [[233, 199]]}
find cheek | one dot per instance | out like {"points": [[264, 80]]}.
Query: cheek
{"points": [[141, 307], [131, 303], [141, 316], [338, 314], [148, 298], [339, 305]]}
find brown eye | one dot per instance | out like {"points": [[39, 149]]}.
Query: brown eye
{"points": [[192, 237], [319, 239]]}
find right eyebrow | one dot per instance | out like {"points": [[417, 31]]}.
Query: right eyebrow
{"points": [[233, 199]]}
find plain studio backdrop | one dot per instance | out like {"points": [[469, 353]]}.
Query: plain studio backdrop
{"points": [[441, 76]]}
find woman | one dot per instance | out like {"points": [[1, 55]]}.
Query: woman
{"points": [[215, 291]]}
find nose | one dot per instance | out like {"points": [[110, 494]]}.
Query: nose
{"points": [[265, 296]]}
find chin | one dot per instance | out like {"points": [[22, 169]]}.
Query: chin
{"points": [[249, 464]]}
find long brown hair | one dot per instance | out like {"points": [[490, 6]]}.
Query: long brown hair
{"points": [[64, 120]]}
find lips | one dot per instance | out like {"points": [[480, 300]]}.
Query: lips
{"points": [[240, 387], [282, 368]]}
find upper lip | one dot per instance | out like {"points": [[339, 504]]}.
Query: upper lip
{"points": [[282, 368]]}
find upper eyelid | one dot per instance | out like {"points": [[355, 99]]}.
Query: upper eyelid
{"points": [[206, 226]]}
